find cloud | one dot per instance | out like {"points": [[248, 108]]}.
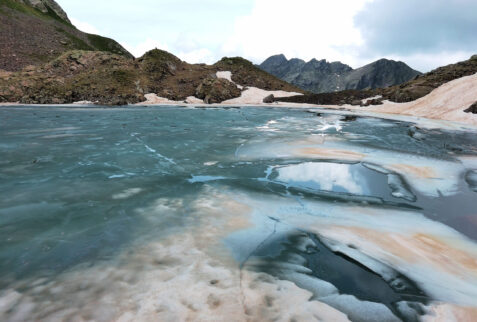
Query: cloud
{"points": [[196, 56], [139, 49], [425, 33], [299, 28], [410, 27], [192, 51], [183, 47], [84, 26]]}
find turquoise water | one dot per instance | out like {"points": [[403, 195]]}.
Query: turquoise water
{"points": [[80, 188]]}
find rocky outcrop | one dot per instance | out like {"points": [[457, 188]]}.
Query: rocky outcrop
{"points": [[34, 32], [216, 90], [472, 109], [47, 6], [320, 76], [269, 99]]}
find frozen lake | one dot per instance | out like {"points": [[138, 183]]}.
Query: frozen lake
{"points": [[244, 214]]}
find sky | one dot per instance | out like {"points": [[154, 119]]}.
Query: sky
{"points": [[423, 33]]}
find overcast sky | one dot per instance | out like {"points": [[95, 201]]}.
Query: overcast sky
{"points": [[423, 33]]}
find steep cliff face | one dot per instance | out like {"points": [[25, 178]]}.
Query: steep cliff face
{"points": [[34, 32], [320, 76]]}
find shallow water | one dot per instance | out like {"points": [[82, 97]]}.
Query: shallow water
{"points": [[370, 217]]}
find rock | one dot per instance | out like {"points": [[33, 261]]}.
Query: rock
{"points": [[472, 109], [356, 102], [349, 118], [269, 99], [378, 101], [216, 90]]}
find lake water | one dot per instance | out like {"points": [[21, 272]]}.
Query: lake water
{"points": [[245, 214]]}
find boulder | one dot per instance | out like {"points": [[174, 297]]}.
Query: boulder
{"points": [[472, 109], [216, 90], [269, 99]]}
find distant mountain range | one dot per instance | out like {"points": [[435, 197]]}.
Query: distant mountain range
{"points": [[412, 90], [320, 76]]}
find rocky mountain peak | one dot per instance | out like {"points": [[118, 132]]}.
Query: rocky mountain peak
{"points": [[320, 76], [275, 60], [47, 6]]}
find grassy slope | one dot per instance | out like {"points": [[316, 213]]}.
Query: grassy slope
{"points": [[18, 19]]}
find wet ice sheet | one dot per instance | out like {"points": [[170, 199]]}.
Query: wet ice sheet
{"points": [[174, 219]]}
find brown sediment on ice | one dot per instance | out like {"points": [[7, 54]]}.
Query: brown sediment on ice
{"points": [[417, 171], [450, 313], [328, 153]]}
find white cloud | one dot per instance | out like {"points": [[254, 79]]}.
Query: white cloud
{"points": [[299, 28], [196, 56], [84, 26], [189, 49], [324, 176], [184, 47], [142, 47]]}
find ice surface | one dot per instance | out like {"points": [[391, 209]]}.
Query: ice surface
{"points": [[250, 214]]}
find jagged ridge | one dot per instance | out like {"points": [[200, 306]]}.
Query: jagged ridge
{"points": [[320, 76]]}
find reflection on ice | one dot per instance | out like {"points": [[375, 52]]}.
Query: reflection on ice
{"points": [[323, 176], [430, 176]]}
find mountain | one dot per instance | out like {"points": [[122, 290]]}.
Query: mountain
{"points": [[117, 80], [409, 91], [320, 76], [34, 32]]}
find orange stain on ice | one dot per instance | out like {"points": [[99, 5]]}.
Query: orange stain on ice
{"points": [[331, 154], [413, 248], [421, 172], [450, 312]]}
